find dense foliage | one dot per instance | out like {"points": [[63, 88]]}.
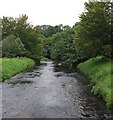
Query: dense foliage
{"points": [[62, 48], [30, 36], [93, 32], [12, 47], [90, 37]]}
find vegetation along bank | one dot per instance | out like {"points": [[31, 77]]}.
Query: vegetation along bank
{"points": [[99, 72], [12, 66]]}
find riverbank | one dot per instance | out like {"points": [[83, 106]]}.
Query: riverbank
{"points": [[11, 66], [99, 72]]}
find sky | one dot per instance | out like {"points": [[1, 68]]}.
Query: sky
{"points": [[44, 12]]}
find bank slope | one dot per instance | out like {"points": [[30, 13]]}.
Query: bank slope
{"points": [[100, 72], [12, 66]]}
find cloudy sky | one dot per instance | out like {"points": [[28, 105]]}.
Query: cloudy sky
{"points": [[40, 12]]}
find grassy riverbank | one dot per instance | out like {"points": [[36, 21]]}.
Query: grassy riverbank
{"points": [[12, 66], [100, 73]]}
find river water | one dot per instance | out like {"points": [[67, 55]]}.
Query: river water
{"points": [[51, 92]]}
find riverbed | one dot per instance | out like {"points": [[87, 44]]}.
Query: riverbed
{"points": [[51, 92]]}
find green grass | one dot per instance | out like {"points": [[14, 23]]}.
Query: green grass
{"points": [[100, 72], [11, 66]]}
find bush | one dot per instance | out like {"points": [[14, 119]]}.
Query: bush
{"points": [[12, 47]]}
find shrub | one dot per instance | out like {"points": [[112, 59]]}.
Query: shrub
{"points": [[12, 47]]}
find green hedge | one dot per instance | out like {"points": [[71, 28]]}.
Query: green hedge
{"points": [[100, 72], [12, 66]]}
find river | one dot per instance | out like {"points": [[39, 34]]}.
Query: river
{"points": [[51, 92]]}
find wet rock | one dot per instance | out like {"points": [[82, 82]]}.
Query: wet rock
{"points": [[63, 85], [71, 75], [85, 114], [59, 75], [20, 82], [24, 82], [81, 107], [20, 77], [37, 72], [28, 73], [105, 115]]}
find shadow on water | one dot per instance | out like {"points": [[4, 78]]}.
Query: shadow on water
{"points": [[60, 68], [92, 106]]}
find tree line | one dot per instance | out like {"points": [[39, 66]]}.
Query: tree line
{"points": [[90, 37]]}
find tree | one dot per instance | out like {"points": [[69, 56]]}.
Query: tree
{"points": [[48, 30], [92, 34], [29, 35], [62, 48], [8, 26], [12, 47]]}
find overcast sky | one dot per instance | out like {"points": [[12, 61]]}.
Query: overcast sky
{"points": [[40, 12]]}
